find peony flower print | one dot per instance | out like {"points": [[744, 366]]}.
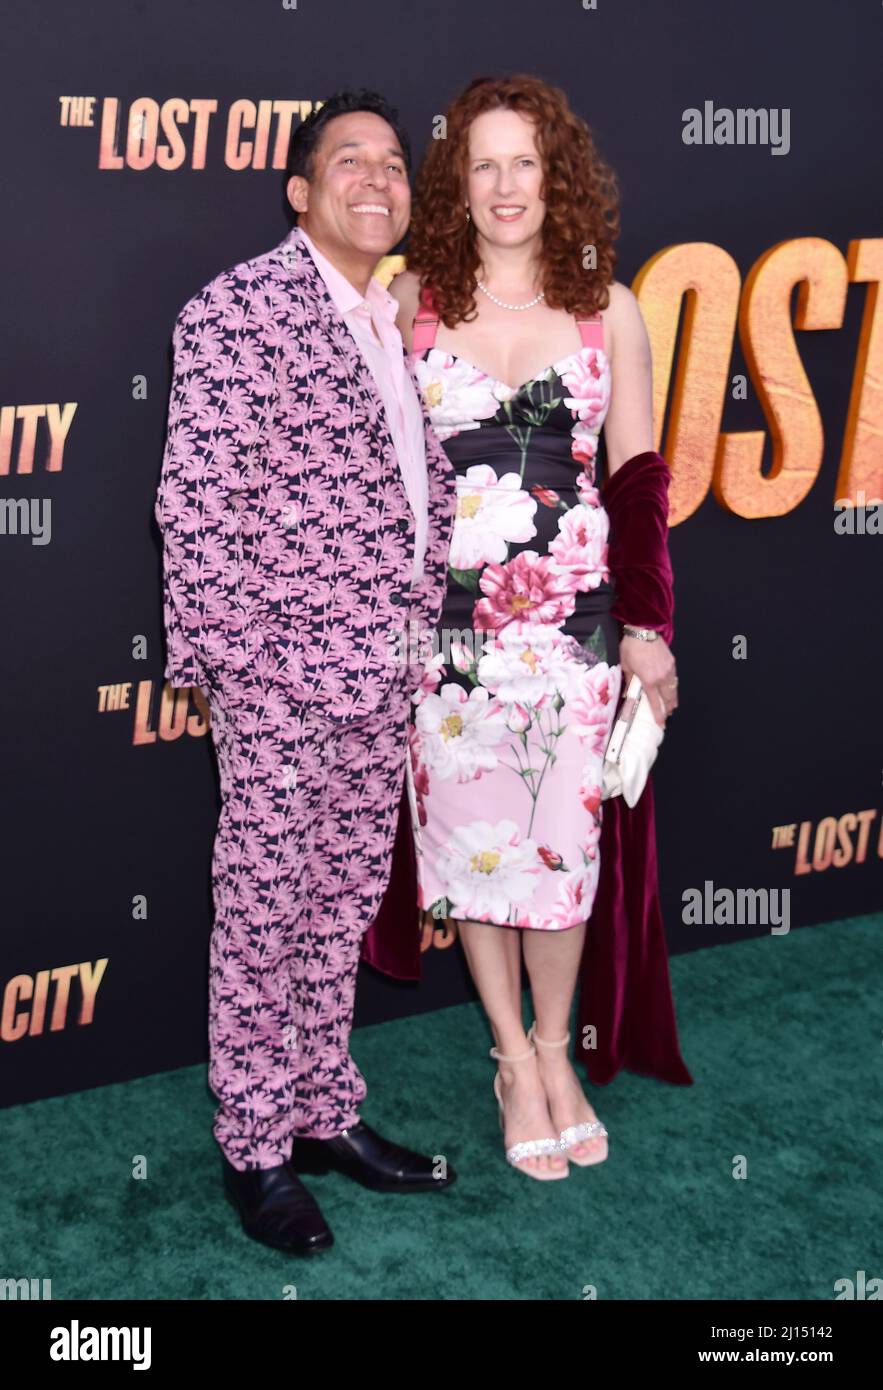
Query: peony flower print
{"points": [[580, 548], [459, 732], [430, 678], [457, 395], [492, 511], [586, 491], [420, 775], [583, 444], [529, 589], [573, 902], [590, 710], [551, 858], [547, 495], [528, 667], [590, 794], [487, 870], [588, 385]]}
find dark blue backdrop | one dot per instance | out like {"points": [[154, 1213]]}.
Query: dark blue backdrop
{"points": [[97, 263]]}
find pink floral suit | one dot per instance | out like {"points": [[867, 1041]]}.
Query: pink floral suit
{"points": [[288, 542]]}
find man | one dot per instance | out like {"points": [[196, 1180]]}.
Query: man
{"points": [[306, 510]]}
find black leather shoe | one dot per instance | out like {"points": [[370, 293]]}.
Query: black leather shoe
{"points": [[365, 1156], [276, 1209]]}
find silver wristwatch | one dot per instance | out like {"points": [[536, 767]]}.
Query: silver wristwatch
{"points": [[643, 634]]}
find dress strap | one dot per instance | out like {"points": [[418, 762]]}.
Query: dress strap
{"points": [[591, 331], [425, 324]]}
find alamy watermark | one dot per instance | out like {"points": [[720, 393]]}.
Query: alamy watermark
{"points": [[30, 1289], [861, 516], [740, 907], [745, 125], [22, 516], [461, 648], [76, 1343]]}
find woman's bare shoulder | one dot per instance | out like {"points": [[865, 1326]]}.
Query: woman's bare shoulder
{"points": [[622, 317], [405, 283], [405, 289], [622, 302]]}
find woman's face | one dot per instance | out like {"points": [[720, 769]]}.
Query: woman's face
{"points": [[503, 178]]}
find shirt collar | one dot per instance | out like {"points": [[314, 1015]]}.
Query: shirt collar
{"points": [[343, 292]]}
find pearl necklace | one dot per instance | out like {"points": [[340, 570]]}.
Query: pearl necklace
{"points": [[503, 305]]}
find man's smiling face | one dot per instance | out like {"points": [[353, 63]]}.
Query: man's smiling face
{"points": [[358, 203]]}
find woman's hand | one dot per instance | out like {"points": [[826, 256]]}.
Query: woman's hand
{"points": [[654, 665]]}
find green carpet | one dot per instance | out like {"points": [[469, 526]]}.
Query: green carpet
{"points": [[782, 1035]]}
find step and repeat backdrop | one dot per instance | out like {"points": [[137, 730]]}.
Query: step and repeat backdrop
{"points": [[144, 152]]}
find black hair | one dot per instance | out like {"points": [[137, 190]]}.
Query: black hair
{"points": [[302, 149]]}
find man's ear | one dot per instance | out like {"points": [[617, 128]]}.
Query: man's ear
{"points": [[297, 191]]}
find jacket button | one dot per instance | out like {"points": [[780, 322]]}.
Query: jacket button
{"points": [[395, 598], [403, 524]]}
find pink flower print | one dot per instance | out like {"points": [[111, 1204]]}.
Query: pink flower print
{"points": [[518, 718], [583, 444], [589, 495], [573, 902], [590, 792], [487, 870], [462, 658], [550, 858], [430, 678], [491, 513], [527, 665], [591, 710], [457, 395], [460, 732], [421, 774], [592, 840], [580, 548], [529, 589], [588, 383], [546, 495]]}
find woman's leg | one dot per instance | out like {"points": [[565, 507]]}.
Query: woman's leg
{"points": [[494, 958], [552, 959]]}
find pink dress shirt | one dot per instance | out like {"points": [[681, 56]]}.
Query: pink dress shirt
{"points": [[385, 360]]}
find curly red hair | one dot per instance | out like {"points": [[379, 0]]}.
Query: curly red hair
{"points": [[580, 192]]}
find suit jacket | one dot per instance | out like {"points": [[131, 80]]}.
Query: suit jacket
{"points": [[288, 534]]}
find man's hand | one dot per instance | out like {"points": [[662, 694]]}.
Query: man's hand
{"points": [[654, 665]]}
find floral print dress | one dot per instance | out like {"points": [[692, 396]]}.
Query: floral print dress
{"points": [[521, 684]]}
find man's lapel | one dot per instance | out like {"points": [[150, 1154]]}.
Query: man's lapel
{"points": [[306, 272], [315, 291]]}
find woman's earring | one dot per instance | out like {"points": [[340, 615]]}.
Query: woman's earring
{"points": [[468, 217]]}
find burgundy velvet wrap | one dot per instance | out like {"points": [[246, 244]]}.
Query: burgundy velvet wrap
{"points": [[625, 991]]}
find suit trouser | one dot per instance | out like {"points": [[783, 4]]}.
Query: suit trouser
{"points": [[301, 860]]}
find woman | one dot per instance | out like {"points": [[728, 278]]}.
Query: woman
{"points": [[518, 333]]}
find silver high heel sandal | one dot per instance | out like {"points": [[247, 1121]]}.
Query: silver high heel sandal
{"points": [[576, 1134], [528, 1148]]}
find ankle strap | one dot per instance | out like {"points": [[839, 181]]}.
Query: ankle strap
{"points": [[532, 1036], [499, 1056]]}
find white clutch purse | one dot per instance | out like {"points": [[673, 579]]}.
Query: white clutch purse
{"points": [[632, 747]]}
